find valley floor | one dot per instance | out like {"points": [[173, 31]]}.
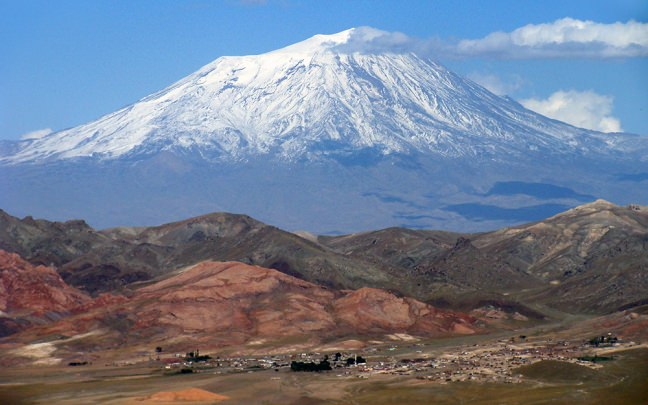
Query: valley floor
{"points": [[477, 369]]}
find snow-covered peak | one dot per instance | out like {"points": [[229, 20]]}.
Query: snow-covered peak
{"points": [[317, 43], [348, 41], [326, 96]]}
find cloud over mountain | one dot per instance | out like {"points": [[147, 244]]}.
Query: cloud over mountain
{"points": [[372, 40], [563, 38], [37, 134], [584, 109]]}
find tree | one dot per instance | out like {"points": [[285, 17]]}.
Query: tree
{"points": [[323, 365]]}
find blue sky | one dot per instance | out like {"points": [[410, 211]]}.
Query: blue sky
{"points": [[64, 63]]}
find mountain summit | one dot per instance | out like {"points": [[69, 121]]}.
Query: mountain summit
{"points": [[349, 130], [321, 97]]}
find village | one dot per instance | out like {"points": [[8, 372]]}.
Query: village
{"points": [[494, 362]]}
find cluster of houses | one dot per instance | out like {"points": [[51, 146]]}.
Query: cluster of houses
{"points": [[493, 362]]}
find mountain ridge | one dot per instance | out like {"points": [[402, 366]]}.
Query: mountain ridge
{"points": [[219, 304], [564, 262], [330, 135], [314, 99]]}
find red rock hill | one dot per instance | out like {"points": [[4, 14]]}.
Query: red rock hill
{"points": [[229, 303], [34, 290]]}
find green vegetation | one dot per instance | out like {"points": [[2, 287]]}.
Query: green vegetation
{"points": [[359, 360], [603, 340], [323, 365], [195, 357]]}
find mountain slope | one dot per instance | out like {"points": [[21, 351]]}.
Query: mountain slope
{"points": [[589, 259], [216, 304], [98, 261], [326, 136], [32, 294], [593, 258], [312, 99]]}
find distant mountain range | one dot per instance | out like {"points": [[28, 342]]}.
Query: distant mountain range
{"points": [[590, 259], [323, 136], [225, 280]]}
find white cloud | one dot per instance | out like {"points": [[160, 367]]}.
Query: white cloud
{"points": [[372, 40], [496, 84], [37, 134], [566, 37], [584, 109]]}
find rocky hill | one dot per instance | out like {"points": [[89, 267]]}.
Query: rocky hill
{"points": [[220, 304], [32, 294], [589, 259]]}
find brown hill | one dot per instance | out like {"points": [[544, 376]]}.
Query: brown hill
{"points": [[101, 261], [49, 243], [591, 259], [32, 294], [186, 395], [216, 304], [231, 237], [59, 244], [398, 247], [559, 246]]}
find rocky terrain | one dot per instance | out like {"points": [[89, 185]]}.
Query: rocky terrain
{"points": [[32, 294], [589, 259], [512, 306], [593, 258], [101, 261], [219, 304]]}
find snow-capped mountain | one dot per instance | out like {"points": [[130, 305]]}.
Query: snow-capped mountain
{"points": [[312, 99], [325, 135]]}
